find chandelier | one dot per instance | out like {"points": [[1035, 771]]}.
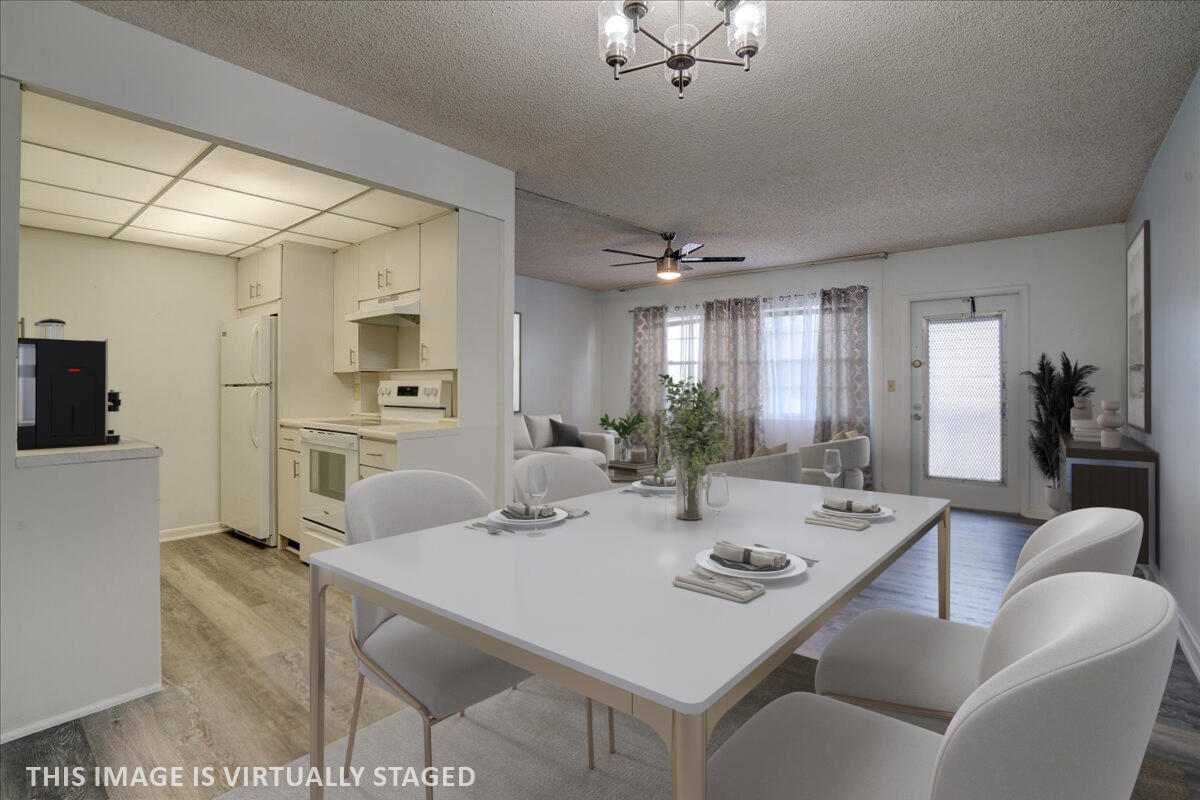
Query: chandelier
{"points": [[745, 23]]}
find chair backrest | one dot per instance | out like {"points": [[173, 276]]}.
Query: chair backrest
{"points": [[1086, 540], [400, 502], [566, 476], [1072, 676]]}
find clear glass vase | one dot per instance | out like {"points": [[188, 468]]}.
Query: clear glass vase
{"points": [[688, 487]]}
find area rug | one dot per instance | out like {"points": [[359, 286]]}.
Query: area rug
{"points": [[530, 743]]}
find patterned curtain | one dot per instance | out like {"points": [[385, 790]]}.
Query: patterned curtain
{"points": [[732, 358], [843, 396], [649, 362]]}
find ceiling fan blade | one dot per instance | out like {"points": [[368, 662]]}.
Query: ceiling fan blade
{"points": [[627, 253], [683, 267], [714, 258], [690, 247], [630, 263]]}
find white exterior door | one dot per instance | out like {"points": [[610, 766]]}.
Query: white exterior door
{"points": [[966, 429]]}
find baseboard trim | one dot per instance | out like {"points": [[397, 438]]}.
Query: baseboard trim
{"points": [[1041, 514], [188, 531], [83, 711], [1189, 643]]}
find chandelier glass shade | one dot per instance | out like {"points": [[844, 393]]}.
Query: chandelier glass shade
{"points": [[619, 23]]}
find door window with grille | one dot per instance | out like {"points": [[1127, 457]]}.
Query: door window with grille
{"points": [[964, 405]]}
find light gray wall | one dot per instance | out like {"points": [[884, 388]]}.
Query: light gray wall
{"points": [[560, 352], [1170, 199]]}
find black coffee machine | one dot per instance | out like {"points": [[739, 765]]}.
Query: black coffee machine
{"points": [[62, 394]]}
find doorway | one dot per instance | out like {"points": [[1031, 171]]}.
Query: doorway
{"points": [[966, 357]]}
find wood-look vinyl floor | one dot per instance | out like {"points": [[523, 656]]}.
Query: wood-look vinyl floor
{"points": [[235, 674]]}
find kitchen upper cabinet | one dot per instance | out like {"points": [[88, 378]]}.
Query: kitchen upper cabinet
{"points": [[370, 269], [356, 348], [439, 293], [390, 263], [287, 497], [260, 277]]}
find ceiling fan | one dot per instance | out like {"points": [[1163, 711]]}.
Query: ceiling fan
{"points": [[673, 262]]}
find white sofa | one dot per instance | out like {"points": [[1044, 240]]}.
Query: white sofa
{"points": [[532, 434], [804, 465]]}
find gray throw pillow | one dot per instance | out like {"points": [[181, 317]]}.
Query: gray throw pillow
{"points": [[564, 435]]}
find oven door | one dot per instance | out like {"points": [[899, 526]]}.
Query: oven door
{"points": [[328, 467]]}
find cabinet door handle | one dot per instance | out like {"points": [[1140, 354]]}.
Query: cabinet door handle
{"points": [[251, 290], [388, 277], [378, 280], [375, 455], [351, 355], [295, 468], [258, 289], [424, 351]]}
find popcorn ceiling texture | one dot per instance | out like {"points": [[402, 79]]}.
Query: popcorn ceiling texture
{"points": [[861, 127]]}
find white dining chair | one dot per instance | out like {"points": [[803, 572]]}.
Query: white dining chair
{"points": [[566, 477], [434, 673], [1069, 686], [920, 669]]}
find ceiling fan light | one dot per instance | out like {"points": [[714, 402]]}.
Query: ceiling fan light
{"points": [[616, 36], [669, 271], [746, 33]]}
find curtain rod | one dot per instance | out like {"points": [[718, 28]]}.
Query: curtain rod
{"points": [[819, 263]]}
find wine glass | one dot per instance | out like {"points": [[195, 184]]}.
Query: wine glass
{"points": [[536, 488], [717, 491], [833, 465]]}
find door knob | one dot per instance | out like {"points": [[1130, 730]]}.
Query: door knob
{"points": [[916, 362]]}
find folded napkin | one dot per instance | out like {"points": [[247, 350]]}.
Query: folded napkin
{"points": [[843, 504], [574, 513], [525, 512], [844, 523], [655, 480], [729, 588], [772, 559]]}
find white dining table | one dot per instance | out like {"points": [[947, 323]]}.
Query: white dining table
{"points": [[590, 604]]}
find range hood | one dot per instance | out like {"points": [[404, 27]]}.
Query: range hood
{"points": [[395, 309]]}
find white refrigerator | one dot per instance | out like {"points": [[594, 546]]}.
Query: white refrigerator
{"points": [[248, 426]]}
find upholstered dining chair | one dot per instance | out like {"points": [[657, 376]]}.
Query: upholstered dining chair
{"points": [[921, 669], [1068, 688], [567, 476], [432, 672]]}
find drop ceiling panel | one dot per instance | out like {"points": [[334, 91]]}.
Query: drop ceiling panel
{"points": [[389, 209], [178, 241], [292, 236], [62, 222], [244, 172], [345, 229], [72, 171], [216, 202], [66, 126], [168, 219], [44, 197]]}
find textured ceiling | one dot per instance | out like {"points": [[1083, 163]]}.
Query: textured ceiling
{"points": [[862, 126]]}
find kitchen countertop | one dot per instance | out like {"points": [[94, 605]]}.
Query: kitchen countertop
{"points": [[390, 432], [53, 456]]}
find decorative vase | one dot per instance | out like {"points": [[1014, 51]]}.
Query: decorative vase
{"points": [[624, 449], [687, 494], [1082, 408], [1057, 499], [1110, 423]]}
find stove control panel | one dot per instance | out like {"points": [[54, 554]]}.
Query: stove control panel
{"points": [[415, 393]]}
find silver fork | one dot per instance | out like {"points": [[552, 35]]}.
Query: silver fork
{"points": [[812, 562]]}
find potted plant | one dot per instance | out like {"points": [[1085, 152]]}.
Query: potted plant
{"points": [[1054, 391], [624, 429], [697, 433]]}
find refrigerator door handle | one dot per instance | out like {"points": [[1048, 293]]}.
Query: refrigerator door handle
{"points": [[254, 352], [254, 416]]}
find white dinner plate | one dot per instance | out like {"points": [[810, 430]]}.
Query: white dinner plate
{"points": [[883, 512], [797, 566], [650, 487], [496, 518]]}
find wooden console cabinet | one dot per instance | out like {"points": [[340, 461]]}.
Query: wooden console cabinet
{"points": [[1118, 477]]}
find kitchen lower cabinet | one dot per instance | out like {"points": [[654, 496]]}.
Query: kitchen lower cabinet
{"points": [[287, 493], [367, 472]]}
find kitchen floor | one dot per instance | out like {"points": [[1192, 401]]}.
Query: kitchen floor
{"points": [[235, 663]]}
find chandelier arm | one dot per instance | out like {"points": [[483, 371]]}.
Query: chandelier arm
{"points": [[655, 39], [720, 61], [660, 62], [710, 32]]}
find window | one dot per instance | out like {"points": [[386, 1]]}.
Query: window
{"points": [[789, 371], [683, 343]]}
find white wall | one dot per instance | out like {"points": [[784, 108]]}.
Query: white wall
{"points": [[160, 310], [1170, 199], [66, 50], [1075, 284], [560, 352]]}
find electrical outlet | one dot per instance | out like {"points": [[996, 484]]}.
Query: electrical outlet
{"points": [[891, 384]]}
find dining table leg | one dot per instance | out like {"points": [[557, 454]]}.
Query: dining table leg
{"points": [[316, 677], [689, 756], [944, 565]]}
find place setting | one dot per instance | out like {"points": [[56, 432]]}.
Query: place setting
{"points": [[529, 519], [735, 572], [847, 514]]}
